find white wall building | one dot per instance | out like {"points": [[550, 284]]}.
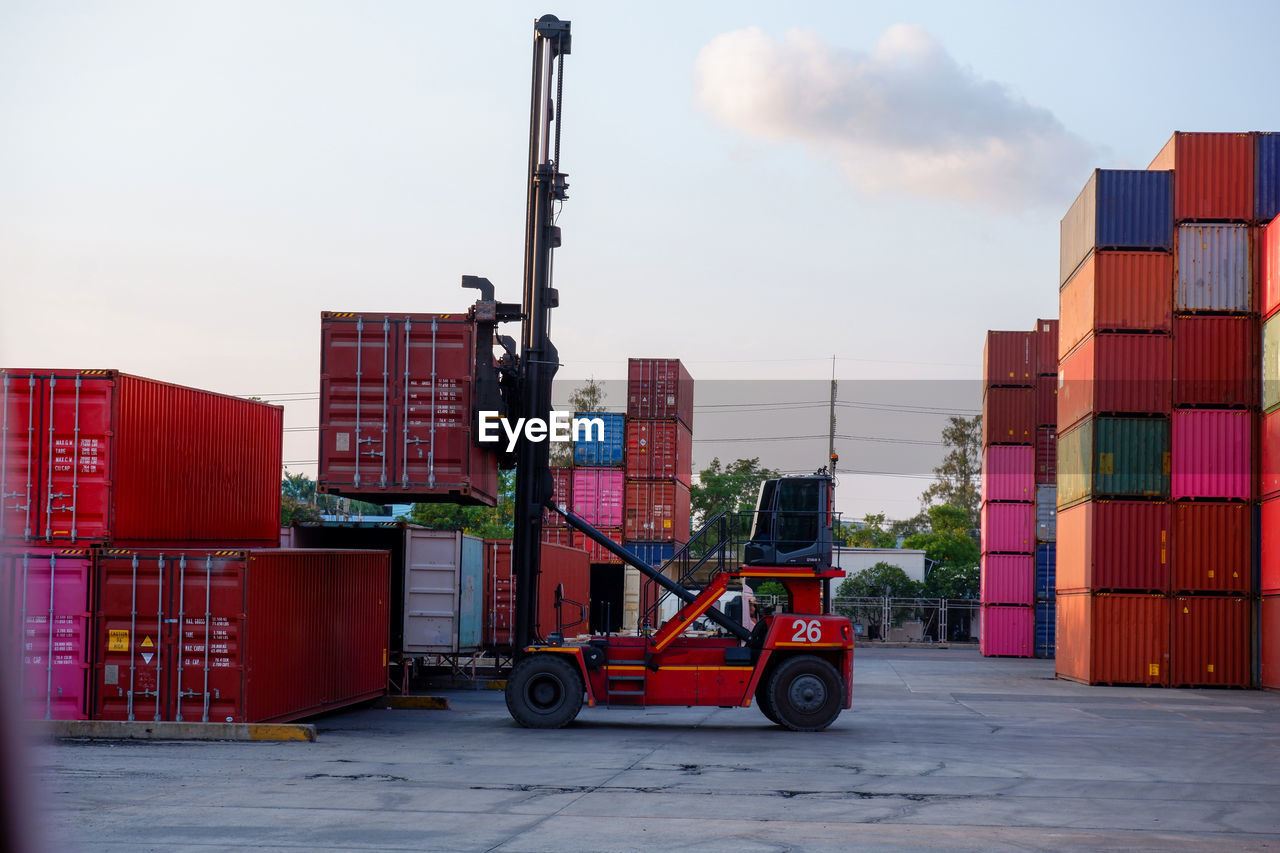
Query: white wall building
{"points": [[854, 560]]}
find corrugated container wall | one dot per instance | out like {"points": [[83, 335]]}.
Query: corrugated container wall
{"points": [[1113, 545], [1212, 454], [1214, 270], [1117, 209], [1009, 359], [1211, 547], [602, 446], [1047, 401], [654, 553], [561, 495], [1046, 570], [657, 512], [1113, 457], [1210, 642], [1269, 642], [1215, 361], [1113, 639], [1007, 579], [1046, 457], [659, 450], [1266, 176], [1046, 336], [1271, 363], [1046, 513], [570, 569], [1269, 536], [1008, 472], [1008, 528], [1115, 373], [1270, 452], [596, 554], [102, 456], [1007, 631], [1046, 628], [598, 495], [659, 389], [1213, 175], [443, 593], [1116, 292], [1009, 416], [1270, 261]]}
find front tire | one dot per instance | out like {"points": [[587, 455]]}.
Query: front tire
{"points": [[806, 693], [544, 692]]}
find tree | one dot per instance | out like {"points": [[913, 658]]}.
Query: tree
{"points": [[952, 552], [959, 477], [918, 523], [495, 522], [727, 488], [588, 397], [879, 580], [871, 534]]}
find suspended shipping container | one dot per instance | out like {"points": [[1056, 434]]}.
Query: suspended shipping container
{"points": [[1008, 528], [659, 450], [1116, 292], [1008, 416], [656, 512], [1117, 209], [598, 495], [1215, 361], [600, 446], [1008, 472], [596, 553], [659, 389], [1211, 547], [1212, 455], [1007, 579], [1113, 639], [1211, 642], [1115, 373], [1007, 631], [656, 554], [1113, 545], [1009, 360], [1212, 175], [1214, 270]]}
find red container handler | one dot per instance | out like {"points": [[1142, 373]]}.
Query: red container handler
{"points": [[1116, 292], [1113, 546], [1008, 528], [561, 565], [1046, 457], [44, 610], [102, 456], [1008, 579], [1009, 359], [656, 511], [1211, 547], [236, 636], [1212, 175], [659, 389], [396, 409], [1007, 631], [1009, 415], [1008, 472], [1046, 336], [659, 450], [1269, 642], [1211, 641], [1215, 361], [1115, 373], [1108, 638], [561, 495]]}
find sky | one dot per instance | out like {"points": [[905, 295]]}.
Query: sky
{"points": [[754, 188]]}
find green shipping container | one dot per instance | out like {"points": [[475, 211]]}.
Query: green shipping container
{"points": [[1271, 364], [1112, 458]]}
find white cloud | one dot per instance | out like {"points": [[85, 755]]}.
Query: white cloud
{"points": [[903, 117]]}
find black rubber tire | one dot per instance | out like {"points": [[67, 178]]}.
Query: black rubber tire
{"points": [[544, 691], [806, 693], [763, 703]]}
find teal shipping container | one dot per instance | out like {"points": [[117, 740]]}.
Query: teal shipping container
{"points": [[443, 593], [1113, 457], [599, 450]]}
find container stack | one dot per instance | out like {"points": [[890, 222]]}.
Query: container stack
{"points": [[1269, 488], [1046, 335], [598, 480]]}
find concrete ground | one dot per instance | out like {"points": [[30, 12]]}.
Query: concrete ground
{"points": [[942, 749]]}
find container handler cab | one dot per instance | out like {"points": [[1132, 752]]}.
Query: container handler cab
{"points": [[797, 666]]}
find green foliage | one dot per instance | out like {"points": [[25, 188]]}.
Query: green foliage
{"points": [[293, 511], [946, 581], [872, 534], [879, 580], [952, 551], [494, 522], [959, 477], [918, 523], [588, 397], [728, 488]]}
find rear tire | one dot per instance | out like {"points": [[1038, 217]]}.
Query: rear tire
{"points": [[763, 703], [544, 692], [806, 693]]}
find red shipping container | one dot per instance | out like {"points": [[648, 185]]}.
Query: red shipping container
{"points": [[597, 554], [1113, 545], [1007, 632], [659, 389], [1113, 639], [44, 608], [1215, 361], [1211, 642], [1009, 360], [102, 456], [1270, 252], [1008, 416], [561, 495], [657, 512], [1047, 401], [499, 594], [1212, 175], [1046, 333], [598, 495], [1007, 579], [1211, 454], [1269, 641], [1114, 292], [396, 410], [560, 565], [1008, 528], [1269, 544], [1269, 450], [659, 450], [1210, 548], [1115, 374], [1046, 457], [258, 636], [558, 536], [1008, 473]]}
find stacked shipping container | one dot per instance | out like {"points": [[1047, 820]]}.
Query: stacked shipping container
{"points": [[1046, 334], [1268, 517]]}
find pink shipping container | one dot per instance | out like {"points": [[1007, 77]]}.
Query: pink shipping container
{"points": [[598, 495], [1269, 534], [1211, 454], [1270, 453], [45, 593], [1007, 632], [101, 456], [1008, 528], [1008, 472], [261, 636], [659, 389], [1008, 579]]}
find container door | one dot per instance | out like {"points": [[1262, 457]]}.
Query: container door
{"points": [[204, 638], [357, 393], [75, 500], [434, 432], [51, 601], [471, 594], [431, 570], [20, 454], [129, 670]]}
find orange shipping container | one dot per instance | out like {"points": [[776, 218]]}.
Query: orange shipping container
{"points": [[1210, 547], [1210, 644], [1115, 373], [1113, 639], [1113, 545], [1115, 292]]}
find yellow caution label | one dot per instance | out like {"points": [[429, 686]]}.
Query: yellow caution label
{"points": [[1211, 667], [117, 641], [1186, 609], [1106, 463], [666, 523], [1211, 573], [1165, 465], [147, 644], [1153, 670]]}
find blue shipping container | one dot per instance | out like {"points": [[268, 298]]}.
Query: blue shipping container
{"points": [[1046, 570], [1266, 176], [1046, 628], [1117, 209], [653, 553], [606, 453]]}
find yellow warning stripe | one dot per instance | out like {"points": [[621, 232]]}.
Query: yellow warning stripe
{"points": [[810, 645]]}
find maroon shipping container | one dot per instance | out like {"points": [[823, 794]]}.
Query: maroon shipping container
{"points": [[659, 389], [659, 450], [1047, 401], [656, 512], [1115, 373], [1008, 528], [1046, 334], [1009, 416], [1210, 547], [561, 495], [1212, 175], [396, 401], [259, 636], [1009, 359], [1115, 292], [1215, 361], [1008, 473], [596, 554], [1269, 536], [1046, 457], [558, 536], [1113, 639], [560, 565], [1269, 451], [1269, 641], [1113, 545], [1007, 579], [1211, 642], [101, 456]]}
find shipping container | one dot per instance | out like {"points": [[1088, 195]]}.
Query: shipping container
{"points": [[255, 636], [1047, 401], [1046, 513], [1007, 631], [1046, 457], [560, 566], [1212, 455], [1046, 570], [656, 554], [559, 536], [600, 446], [1009, 360], [1116, 292], [1212, 175], [1046, 628], [1007, 579], [499, 595], [561, 496], [1271, 363], [1113, 639], [1269, 258], [656, 512], [1008, 528], [1269, 547], [1215, 361], [1211, 642], [1269, 642], [1008, 416], [1117, 209], [1046, 336], [398, 400], [596, 554], [1113, 457], [1008, 472], [1269, 450], [1113, 546], [659, 450], [1266, 176], [1214, 269], [659, 389], [443, 593], [44, 611], [1115, 373], [101, 456], [598, 495], [1211, 547]]}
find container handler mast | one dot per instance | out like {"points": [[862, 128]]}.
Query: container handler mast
{"points": [[797, 666]]}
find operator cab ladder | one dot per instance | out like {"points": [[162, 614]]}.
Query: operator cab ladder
{"points": [[628, 687]]}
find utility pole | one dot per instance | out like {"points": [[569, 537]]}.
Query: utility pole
{"points": [[831, 434]]}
